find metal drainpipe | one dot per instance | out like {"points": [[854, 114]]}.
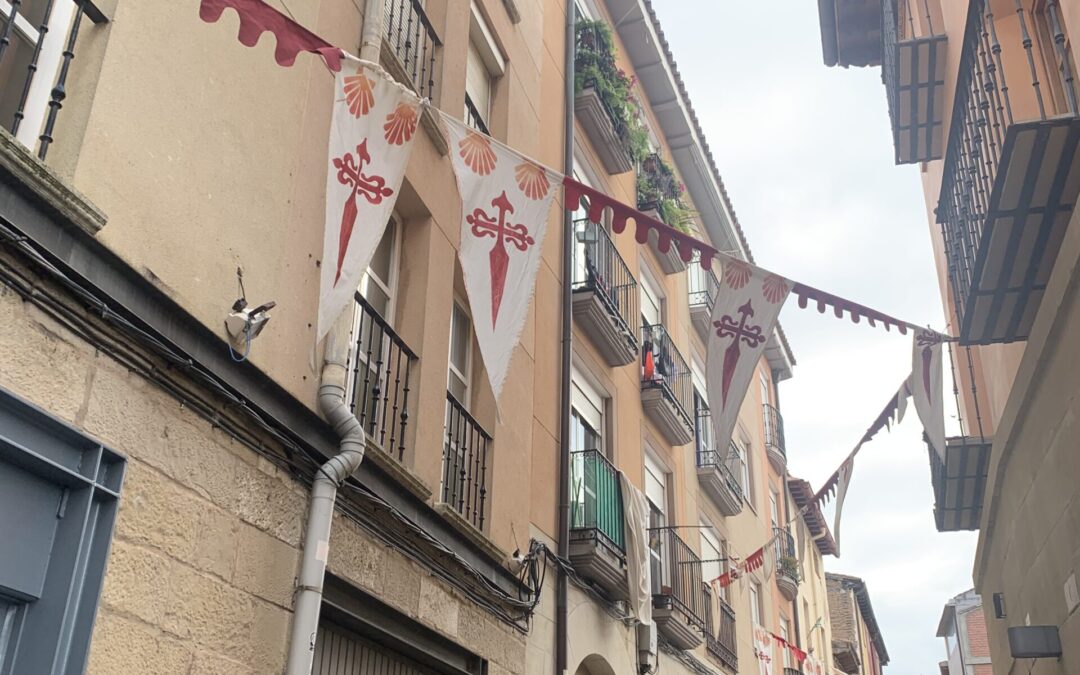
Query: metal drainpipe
{"points": [[787, 512], [561, 615], [324, 487], [335, 472]]}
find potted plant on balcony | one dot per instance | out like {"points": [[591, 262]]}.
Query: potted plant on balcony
{"points": [[659, 191], [789, 567], [605, 103]]}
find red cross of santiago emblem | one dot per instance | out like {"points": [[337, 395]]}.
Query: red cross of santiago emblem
{"points": [[742, 331], [484, 225], [373, 188]]}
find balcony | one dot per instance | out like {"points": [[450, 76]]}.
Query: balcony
{"points": [[792, 671], [720, 638], [597, 545], [774, 438], [959, 482], [607, 130], [411, 40], [715, 473], [666, 390], [677, 587], [913, 69], [381, 379], [34, 76], [1012, 170], [660, 196], [605, 294], [787, 564], [465, 455], [473, 117], [704, 288]]}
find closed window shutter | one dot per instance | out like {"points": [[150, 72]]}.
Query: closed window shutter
{"points": [[339, 652], [478, 82]]}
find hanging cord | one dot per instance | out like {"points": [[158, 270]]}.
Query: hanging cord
{"points": [[975, 394]]}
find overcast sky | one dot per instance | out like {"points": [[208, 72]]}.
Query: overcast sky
{"points": [[806, 154]]}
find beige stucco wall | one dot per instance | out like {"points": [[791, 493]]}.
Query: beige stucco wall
{"points": [[1029, 541]]}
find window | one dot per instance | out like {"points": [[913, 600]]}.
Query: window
{"points": [[785, 632], [1048, 54], [744, 458], [763, 381], [651, 308], [484, 63], [460, 370], [656, 493], [774, 511], [58, 499], [14, 69], [755, 604], [586, 416], [703, 434], [712, 553], [379, 281]]}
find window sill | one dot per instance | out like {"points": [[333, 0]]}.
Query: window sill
{"points": [[47, 186], [470, 531], [396, 470]]}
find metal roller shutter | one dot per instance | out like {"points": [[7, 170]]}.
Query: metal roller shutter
{"points": [[341, 652]]}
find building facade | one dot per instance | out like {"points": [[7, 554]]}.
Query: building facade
{"points": [[857, 644], [963, 627], [155, 171], [982, 95]]}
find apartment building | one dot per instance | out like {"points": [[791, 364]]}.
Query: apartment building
{"points": [[982, 97], [155, 171], [963, 627], [858, 647]]}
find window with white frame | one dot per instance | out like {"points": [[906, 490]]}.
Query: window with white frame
{"points": [[756, 612], [484, 63], [651, 302], [703, 433], [785, 632], [763, 382], [459, 375], [35, 21], [586, 415], [774, 509], [656, 493], [712, 564], [745, 460]]}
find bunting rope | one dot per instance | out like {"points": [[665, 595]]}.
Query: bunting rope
{"points": [[257, 17]]}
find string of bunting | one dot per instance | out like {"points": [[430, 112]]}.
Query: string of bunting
{"points": [[257, 17]]}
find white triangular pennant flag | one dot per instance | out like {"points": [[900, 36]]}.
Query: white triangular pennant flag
{"points": [[842, 483], [743, 317], [371, 136], [926, 387], [505, 204]]}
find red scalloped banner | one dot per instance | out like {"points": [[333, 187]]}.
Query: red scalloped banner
{"points": [[841, 305], [257, 17], [620, 213]]}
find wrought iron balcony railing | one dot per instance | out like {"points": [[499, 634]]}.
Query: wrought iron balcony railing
{"points": [[676, 576], [720, 638], [473, 117], [708, 454], [381, 369], [668, 372], [33, 80], [913, 70], [703, 284], [774, 430], [1008, 185], [600, 270], [465, 457], [785, 551], [596, 507], [411, 37]]}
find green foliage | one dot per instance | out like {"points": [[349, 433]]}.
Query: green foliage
{"points": [[789, 567], [658, 188], [594, 66]]}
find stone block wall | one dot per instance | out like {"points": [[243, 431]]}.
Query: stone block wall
{"points": [[204, 556]]}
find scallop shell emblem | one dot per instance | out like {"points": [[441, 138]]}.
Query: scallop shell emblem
{"points": [[532, 180], [400, 124], [359, 93], [736, 274], [775, 288], [476, 150]]}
